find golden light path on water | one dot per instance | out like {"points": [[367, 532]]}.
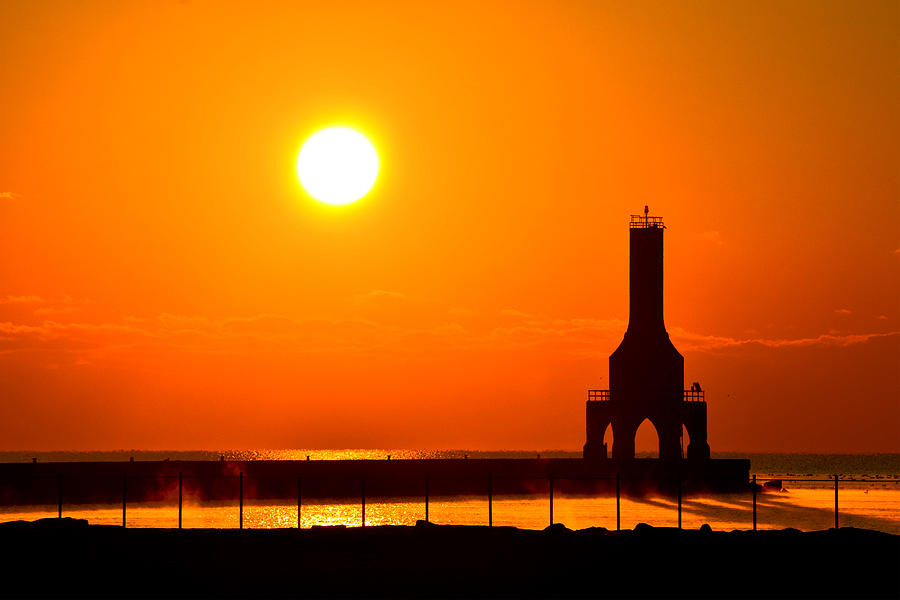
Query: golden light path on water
{"points": [[804, 509]]}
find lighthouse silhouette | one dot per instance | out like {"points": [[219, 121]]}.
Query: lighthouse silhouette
{"points": [[646, 372]]}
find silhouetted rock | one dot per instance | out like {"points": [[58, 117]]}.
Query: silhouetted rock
{"points": [[449, 561], [593, 531], [643, 528], [557, 528], [48, 523]]}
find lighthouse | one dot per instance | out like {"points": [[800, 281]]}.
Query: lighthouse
{"points": [[646, 372]]}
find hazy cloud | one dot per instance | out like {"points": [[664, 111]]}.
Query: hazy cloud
{"points": [[48, 308], [843, 311], [21, 300], [35, 299], [574, 337], [714, 237], [694, 341], [378, 295], [49, 311], [9, 196], [578, 337], [512, 312]]}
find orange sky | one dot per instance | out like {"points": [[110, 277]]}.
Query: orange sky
{"points": [[166, 283]]}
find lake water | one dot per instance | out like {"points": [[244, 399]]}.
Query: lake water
{"points": [[869, 497]]}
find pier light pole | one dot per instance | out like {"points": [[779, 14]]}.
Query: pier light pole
{"points": [[551, 498], [124, 497], [618, 507], [835, 502], [180, 488], [490, 500], [299, 498], [754, 502], [679, 500]]}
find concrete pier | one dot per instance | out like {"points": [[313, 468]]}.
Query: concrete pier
{"points": [[101, 482]]}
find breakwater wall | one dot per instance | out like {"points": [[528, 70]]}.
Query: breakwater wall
{"points": [[326, 480]]}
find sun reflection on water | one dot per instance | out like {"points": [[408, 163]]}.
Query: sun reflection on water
{"points": [[805, 509], [384, 453]]}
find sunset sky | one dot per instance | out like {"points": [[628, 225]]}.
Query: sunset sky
{"points": [[166, 283]]}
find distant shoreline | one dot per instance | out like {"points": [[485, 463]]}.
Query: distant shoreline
{"points": [[761, 464], [26, 455], [429, 560]]}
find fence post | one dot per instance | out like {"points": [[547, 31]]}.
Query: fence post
{"points": [[754, 502], [364, 500], [124, 497], [551, 498], [179, 499], [426, 497], [835, 502], [490, 500], [241, 508], [59, 495], [618, 507], [679, 500], [299, 498]]}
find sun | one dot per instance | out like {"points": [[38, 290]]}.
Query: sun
{"points": [[337, 165]]}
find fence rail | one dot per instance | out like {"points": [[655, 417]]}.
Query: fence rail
{"points": [[645, 222], [598, 395], [691, 395], [552, 479], [694, 396]]}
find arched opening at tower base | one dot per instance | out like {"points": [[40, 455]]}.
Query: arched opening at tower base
{"points": [[608, 439], [646, 440]]}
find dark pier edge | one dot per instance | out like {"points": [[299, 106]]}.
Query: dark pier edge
{"points": [[102, 482]]}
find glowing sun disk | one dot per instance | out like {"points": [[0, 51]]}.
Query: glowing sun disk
{"points": [[337, 165]]}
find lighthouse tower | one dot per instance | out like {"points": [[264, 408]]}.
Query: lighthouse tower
{"points": [[646, 372]]}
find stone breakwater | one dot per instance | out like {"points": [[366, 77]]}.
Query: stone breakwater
{"points": [[69, 558], [102, 482]]}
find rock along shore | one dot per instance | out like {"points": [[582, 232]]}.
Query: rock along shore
{"points": [[69, 558]]}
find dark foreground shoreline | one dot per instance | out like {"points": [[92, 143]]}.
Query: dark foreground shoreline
{"points": [[69, 558]]}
